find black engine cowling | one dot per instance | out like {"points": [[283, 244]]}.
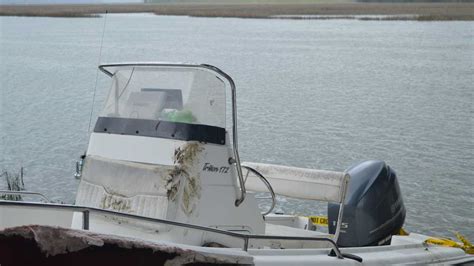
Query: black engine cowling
{"points": [[374, 208]]}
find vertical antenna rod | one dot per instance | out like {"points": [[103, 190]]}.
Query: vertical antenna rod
{"points": [[97, 72]]}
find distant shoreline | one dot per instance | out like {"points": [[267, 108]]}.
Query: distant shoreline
{"points": [[363, 11]]}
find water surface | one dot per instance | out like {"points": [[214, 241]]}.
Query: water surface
{"points": [[311, 93]]}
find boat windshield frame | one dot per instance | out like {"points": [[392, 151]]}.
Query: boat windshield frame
{"points": [[219, 73]]}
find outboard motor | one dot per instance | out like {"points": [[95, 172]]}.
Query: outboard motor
{"points": [[374, 208]]}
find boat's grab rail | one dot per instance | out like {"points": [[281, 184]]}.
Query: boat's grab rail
{"points": [[266, 183], [245, 237]]}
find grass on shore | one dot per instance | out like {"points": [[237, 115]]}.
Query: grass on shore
{"points": [[14, 183], [393, 11]]}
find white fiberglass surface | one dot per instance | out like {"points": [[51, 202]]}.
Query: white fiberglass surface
{"points": [[178, 94]]}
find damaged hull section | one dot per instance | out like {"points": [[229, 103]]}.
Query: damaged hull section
{"points": [[47, 245]]}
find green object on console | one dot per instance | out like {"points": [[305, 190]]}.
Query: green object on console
{"points": [[183, 116]]}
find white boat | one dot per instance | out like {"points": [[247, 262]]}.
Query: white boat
{"points": [[162, 183]]}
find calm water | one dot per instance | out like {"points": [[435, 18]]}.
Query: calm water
{"points": [[321, 94]]}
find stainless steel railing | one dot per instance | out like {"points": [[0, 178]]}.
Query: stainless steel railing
{"points": [[86, 211], [266, 183]]}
